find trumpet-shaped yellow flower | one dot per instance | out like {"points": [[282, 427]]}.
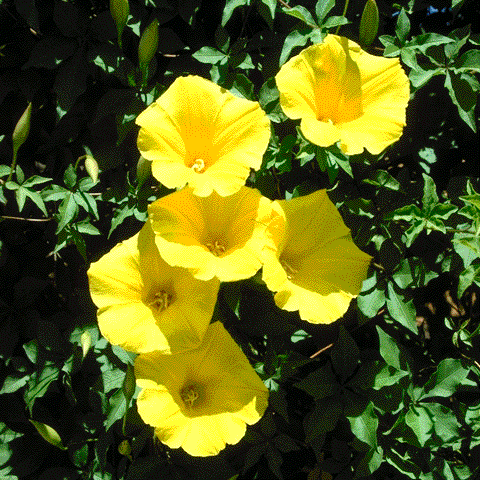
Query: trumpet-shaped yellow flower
{"points": [[213, 236], [144, 303], [201, 134], [315, 268], [340, 92], [202, 399]]}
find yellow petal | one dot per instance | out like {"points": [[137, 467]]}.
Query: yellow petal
{"points": [[146, 304], [343, 93], [201, 134], [317, 268], [214, 236], [201, 399]]}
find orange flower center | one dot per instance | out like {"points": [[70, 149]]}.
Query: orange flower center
{"points": [[189, 395], [216, 248], [198, 165], [161, 301]]}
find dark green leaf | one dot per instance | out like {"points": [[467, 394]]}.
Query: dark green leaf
{"points": [[430, 197], [444, 382], [470, 275], [67, 211], [320, 383], [117, 408], [401, 310], [381, 178], [463, 96], [323, 418], [469, 61], [344, 354], [427, 40], [403, 463], [51, 51], [390, 352]]}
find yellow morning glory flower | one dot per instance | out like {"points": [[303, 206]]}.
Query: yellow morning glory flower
{"points": [[315, 267], [213, 236], [201, 134], [202, 399], [144, 303], [340, 92]]}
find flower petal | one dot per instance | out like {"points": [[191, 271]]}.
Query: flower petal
{"points": [[194, 127], [228, 394]]}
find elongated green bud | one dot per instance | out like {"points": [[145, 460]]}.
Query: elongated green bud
{"points": [[147, 47], [128, 386], [49, 434], [91, 166], [144, 170], [22, 129], [369, 23], [120, 9]]}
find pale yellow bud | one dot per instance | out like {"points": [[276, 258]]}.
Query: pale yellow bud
{"points": [[91, 166]]}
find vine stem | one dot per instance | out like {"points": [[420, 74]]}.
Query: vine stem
{"points": [[345, 8], [6, 217]]}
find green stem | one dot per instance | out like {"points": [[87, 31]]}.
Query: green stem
{"points": [[12, 167], [345, 8]]}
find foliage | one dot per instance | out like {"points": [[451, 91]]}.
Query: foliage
{"points": [[390, 391]]}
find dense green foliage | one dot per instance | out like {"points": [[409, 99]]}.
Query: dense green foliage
{"points": [[391, 391]]}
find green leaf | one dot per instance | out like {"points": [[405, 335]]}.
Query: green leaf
{"points": [[67, 211], [443, 210], [230, 6], [470, 275], [365, 425], [403, 26], [12, 384], [402, 311], [297, 38], [469, 61], [390, 352], [463, 96], [39, 382], [445, 380], [381, 178], [301, 13], [36, 198], [323, 418], [388, 376], [35, 180], [430, 197], [209, 55], [344, 354], [322, 8], [423, 42], [117, 408], [420, 421], [445, 424], [403, 464], [320, 383], [335, 21]]}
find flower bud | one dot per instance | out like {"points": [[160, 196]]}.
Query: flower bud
{"points": [[49, 434], [86, 342], [128, 386], [148, 46], [22, 129], [120, 10], [144, 170], [369, 23], [91, 166], [124, 448]]}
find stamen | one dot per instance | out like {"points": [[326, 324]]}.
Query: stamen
{"points": [[198, 166], [289, 270], [216, 248], [189, 395], [161, 301]]}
